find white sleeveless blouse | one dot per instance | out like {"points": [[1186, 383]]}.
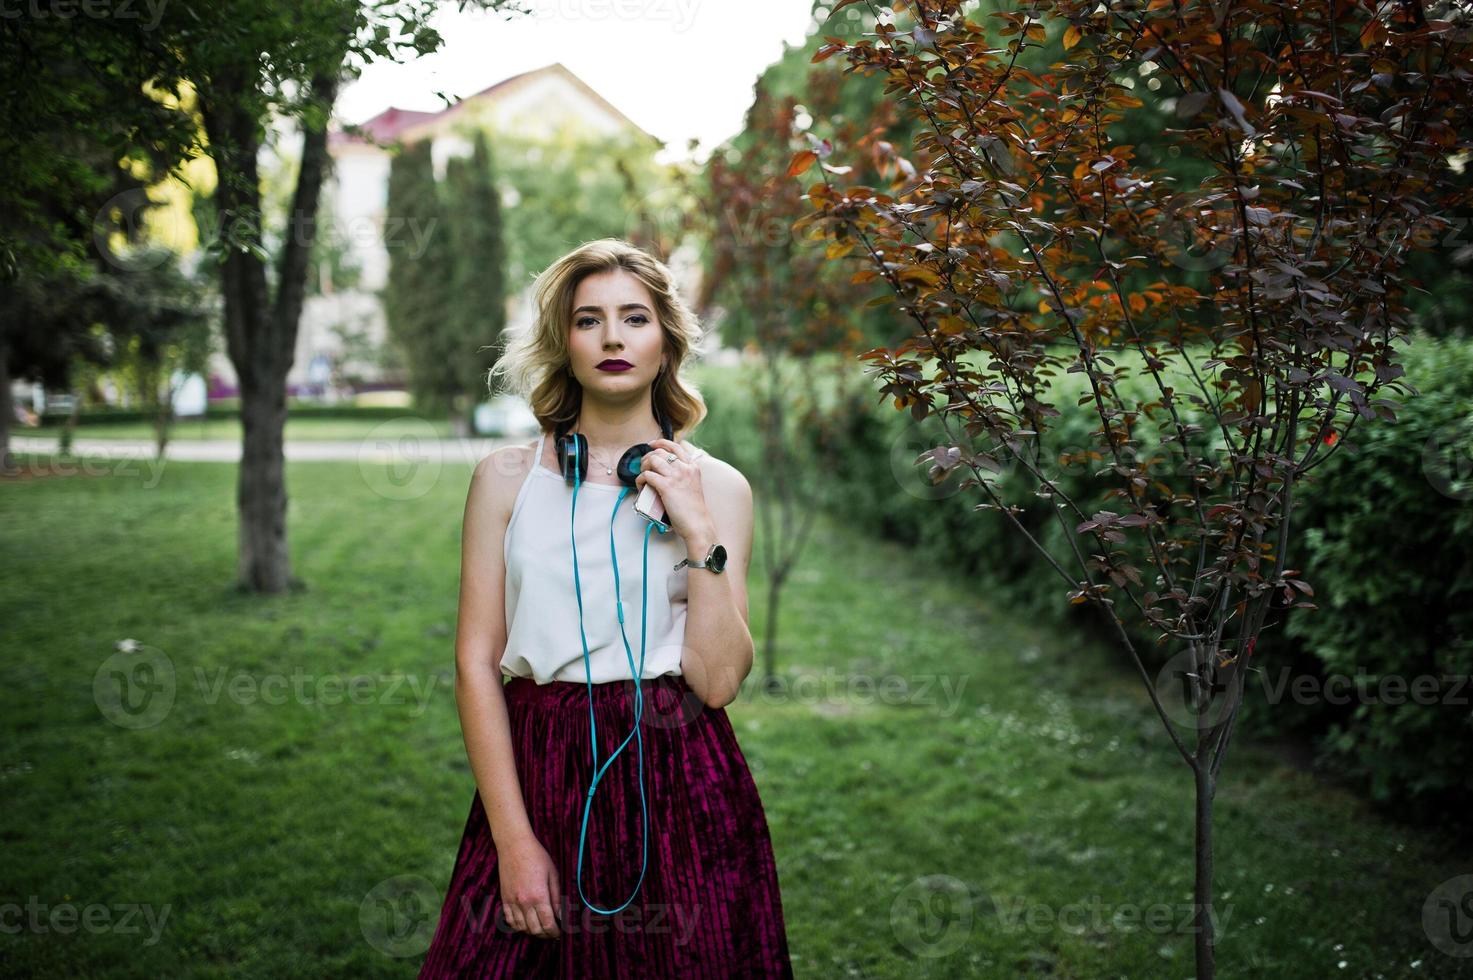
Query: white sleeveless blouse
{"points": [[542, 637]]}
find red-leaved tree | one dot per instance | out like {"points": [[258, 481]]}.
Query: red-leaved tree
{"points": [[1227, 336]]}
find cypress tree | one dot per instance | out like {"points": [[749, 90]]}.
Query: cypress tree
{"points": [[416, 296], [477, 299]]}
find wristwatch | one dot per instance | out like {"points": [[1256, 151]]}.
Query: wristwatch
{"points": [[714, 561]]}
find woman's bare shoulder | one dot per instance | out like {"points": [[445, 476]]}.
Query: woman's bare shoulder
{"points": [[499, 475], [713, 465]]}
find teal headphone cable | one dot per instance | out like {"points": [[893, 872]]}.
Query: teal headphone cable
{"points": [[598, 771]]}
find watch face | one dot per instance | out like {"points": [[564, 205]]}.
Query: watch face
{"points": [[718, 558]]}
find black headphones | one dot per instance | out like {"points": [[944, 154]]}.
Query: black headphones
{"points": [[572, 454]]}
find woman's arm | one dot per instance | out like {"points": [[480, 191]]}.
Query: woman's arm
{"points": [[480, 641], [530, 890], [718, 651]]}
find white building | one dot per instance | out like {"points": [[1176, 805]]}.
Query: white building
{"points": [[533, 103]]}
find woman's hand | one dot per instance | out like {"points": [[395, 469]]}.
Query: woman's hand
{"points": [[678, 482], [531, 898]]}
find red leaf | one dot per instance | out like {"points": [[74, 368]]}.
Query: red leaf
{"points": [[802, 160]]}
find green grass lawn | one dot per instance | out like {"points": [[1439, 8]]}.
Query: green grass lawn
{"points": [[1008, 819], [305, 429]]}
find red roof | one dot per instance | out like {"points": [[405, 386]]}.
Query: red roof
{"points": [[389, 124], [384, 127]]}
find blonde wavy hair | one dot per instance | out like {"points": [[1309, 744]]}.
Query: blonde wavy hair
{"points": [[534, 363]]}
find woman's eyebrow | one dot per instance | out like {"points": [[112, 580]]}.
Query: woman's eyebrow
{"points": [[625, 306]]}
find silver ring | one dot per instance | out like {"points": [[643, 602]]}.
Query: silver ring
{"points": [[671, 457]]}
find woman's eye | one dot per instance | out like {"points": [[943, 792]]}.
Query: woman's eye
{"points": [[638, 318]]}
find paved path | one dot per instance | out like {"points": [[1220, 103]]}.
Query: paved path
{"points": [[368, 449]]}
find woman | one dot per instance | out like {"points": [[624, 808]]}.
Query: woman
{"points": [[663, 865]]}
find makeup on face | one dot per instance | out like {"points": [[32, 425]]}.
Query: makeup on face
{"points": [[636, 329]]}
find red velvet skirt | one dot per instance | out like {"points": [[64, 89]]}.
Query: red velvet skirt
{"points": [[708, 905]]}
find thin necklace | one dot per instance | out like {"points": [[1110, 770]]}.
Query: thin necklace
{"points": [[607, 469]]}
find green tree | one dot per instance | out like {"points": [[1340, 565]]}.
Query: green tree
{"points": [[84, 134], [162, 322], [249, 63], [479, 296], [780, 297], [1014, 244], [417, 293], [243, 65], [569, 189]]}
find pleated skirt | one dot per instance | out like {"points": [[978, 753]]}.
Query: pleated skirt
{"points": [[708, 905]]}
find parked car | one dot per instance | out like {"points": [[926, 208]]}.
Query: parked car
{"points": [[504, 416]]}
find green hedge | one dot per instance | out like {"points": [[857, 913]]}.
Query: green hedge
{"points": [[110, 415], [1389, 556], [1378, 543]]}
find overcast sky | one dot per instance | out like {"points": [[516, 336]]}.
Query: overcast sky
{"points": [[677, 68]]}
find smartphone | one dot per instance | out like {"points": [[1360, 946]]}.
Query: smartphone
{"points": [[649, 506]]}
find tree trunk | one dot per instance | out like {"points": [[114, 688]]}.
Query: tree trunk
{"points": [[460, 422], [7, 409], [769, 639], [161, 406], [265, 560], [69, 430], [1206, 784], [260, 334]]}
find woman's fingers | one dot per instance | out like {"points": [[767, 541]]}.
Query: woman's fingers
{"points": [[546, 925], [535, 919], [557, 893]]}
